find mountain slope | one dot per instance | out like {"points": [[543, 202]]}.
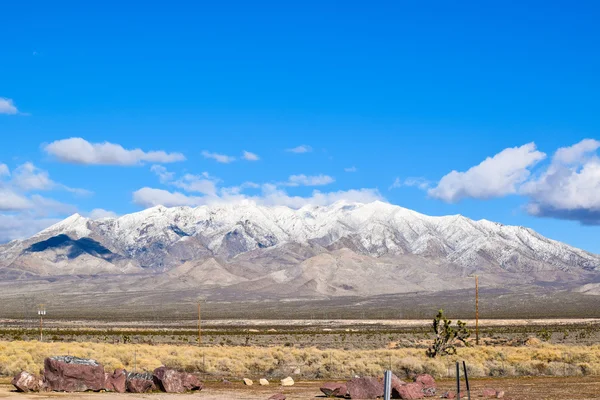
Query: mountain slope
{"points": [[342, 249]]}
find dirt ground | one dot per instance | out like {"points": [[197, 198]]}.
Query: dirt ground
{"points": [[517, 389]]}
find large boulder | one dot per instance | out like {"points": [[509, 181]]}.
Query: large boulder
{"points": [[331, 389], [116, 382], [140, 382], [73, 374], [287, 381], [428, 383], [26, 382], [365, 388], [172, 381], [408, 391]]}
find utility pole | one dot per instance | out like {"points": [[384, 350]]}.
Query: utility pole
{"points": [[41, 313], [199, 325], [476, 310]]}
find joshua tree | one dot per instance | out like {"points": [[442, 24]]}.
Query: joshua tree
{"points": [[447, 335]]}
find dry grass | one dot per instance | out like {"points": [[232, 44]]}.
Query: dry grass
{"points": [[235, 362]]}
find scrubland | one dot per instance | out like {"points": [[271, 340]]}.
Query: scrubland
{"points": [[535, 359]]}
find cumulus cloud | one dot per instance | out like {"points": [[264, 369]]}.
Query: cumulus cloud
{"points": [[80, 151], [197, 183], [300, 149], [150, 197], [12, 201], [570, 187], [20, 226], [496, 176], [351, 169], [28, 177], [4, 171], [163, 174], [99, 213], [221, 158], [7, 106], [304, 180], [270, 195], [250, 156]]}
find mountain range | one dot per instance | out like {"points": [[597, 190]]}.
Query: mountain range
{"points": [[345, 249]]}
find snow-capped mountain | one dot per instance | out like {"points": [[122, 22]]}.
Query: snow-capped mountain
{"points": [[246, 242]]}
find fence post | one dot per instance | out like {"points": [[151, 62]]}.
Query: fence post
{"points": [[467, 380], [387, 385], [457, 380]]}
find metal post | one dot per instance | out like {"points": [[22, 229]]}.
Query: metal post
{"points": [[457, 380], [41, 313], [467, 380], [476, 310], [387, 385]]}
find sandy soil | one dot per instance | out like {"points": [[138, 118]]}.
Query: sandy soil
{"points": [[515, 388]]}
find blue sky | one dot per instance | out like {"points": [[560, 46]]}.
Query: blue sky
{"points": [[388, 97]]}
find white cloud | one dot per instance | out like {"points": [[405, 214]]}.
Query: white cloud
{"points": [[163, 174], [80, 151], [270, 195], [396, 184], [7, 106], [351, 169], [4, 171], [250, 156], [197, 183], [44, 207], [418, 182], [575, 153], [300, 149], [99, 213], [570, 187], [304, 180], [221, 158], [150, 197], [496, 176], [20, 226], [12, 201], [28, 177]]}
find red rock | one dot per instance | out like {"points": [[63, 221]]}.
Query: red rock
{"points": [[140, 382], [449, 395], [425, 380], [487, 392], [428, 384], [334, 389], [278, 396], [172, 381], [26, 382], [408, 391], [115, 382], [365, 388], [72, 374]]}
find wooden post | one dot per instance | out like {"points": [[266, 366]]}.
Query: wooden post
{"points": [[199, 327], [476, 310]]}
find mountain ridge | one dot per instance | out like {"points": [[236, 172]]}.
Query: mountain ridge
{"points": [[340, 249]]}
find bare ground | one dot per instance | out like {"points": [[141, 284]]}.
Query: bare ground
{"points": [[569, 388]]}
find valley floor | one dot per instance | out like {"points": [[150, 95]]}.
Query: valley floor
{"points": [[572, 388]]}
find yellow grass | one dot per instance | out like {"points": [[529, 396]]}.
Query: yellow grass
{"points": [[236, 362]]}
